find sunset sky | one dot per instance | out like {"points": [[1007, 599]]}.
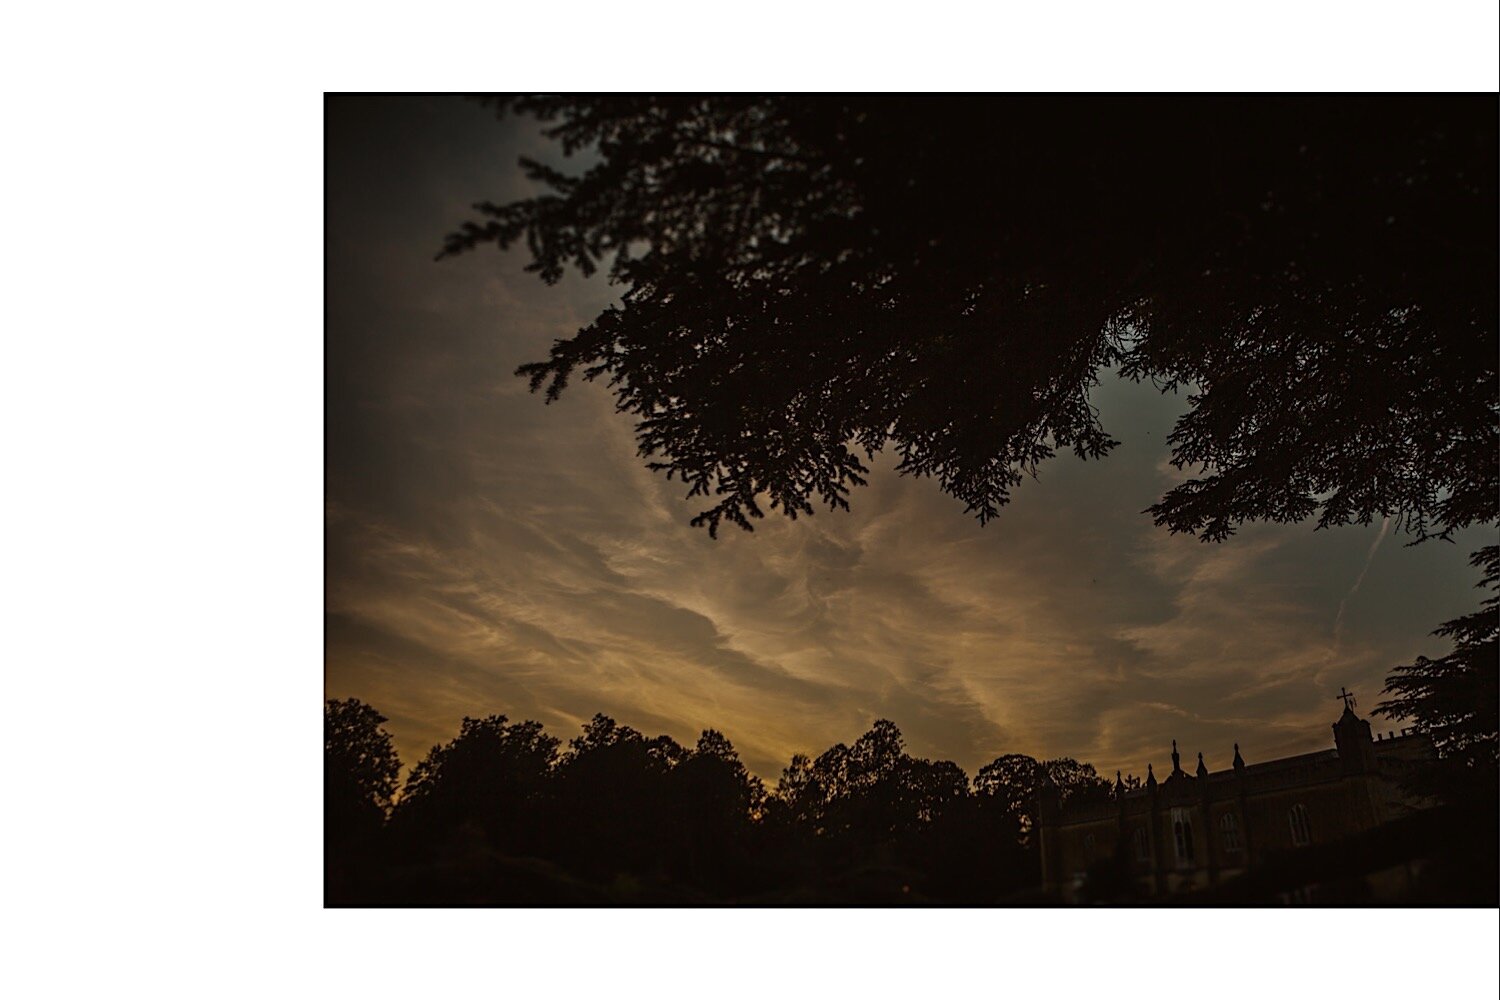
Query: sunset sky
{"points": [[490, 554]]}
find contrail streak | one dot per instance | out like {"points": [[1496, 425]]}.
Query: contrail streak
{"points": [[1338, 622]]}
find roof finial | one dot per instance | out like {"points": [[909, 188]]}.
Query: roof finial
{"points": [[1202, 770], [1239, 761], [1150, 777], [1176, 759], [1348, 699]]}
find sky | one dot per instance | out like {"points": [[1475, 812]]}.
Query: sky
{"points": [[487, 553]]}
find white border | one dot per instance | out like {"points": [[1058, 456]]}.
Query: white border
{"points": [[162, 406]]}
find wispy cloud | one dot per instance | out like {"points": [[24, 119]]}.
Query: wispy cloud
{"points": [[487, 553]]}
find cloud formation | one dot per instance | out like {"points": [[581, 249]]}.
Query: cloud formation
{"points": [[487, 553]]}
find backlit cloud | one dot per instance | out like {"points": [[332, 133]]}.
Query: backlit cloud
{"points": [[487, 553]]}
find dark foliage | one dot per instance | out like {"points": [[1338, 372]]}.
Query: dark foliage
{"points": [[808, 280], [1017, 780], [483, 786], [1456, 698], [497, 816], [360, 768]]}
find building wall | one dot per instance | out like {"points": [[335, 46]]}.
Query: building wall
{"points": [[1341, 792], [1334, 810]]}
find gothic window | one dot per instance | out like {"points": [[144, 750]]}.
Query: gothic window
{"points": [[1229, 826], [1301, 832], [1142, 847], [1182, 836]]}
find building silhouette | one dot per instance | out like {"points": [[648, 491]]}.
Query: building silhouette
{"points": [[1194, 830]]}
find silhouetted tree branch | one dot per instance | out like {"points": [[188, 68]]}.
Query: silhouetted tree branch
{"points": [[809, 280], [1456, 698]]}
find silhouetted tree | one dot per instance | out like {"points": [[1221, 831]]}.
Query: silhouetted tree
{"points": [[1014, 780], [1455, 699], [610, 797], [1011, 779], [1077, 782], [810, 279], [856, 790], [712, 801], [360, 768], [487, 783], [871, 806], [495, 816], [714, 772], [976, 852]]}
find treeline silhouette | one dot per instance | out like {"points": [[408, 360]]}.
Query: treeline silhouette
{"points": [[504, 814]]}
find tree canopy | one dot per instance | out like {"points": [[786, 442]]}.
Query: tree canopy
{"points": [[484, 778], [497, 816], [809, 280], [1456, 698], [497, 813], [360, 767]]}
